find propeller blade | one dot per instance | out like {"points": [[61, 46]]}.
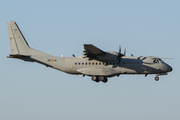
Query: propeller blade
{"points": [[119, 55], [119, 50], [125, 52]]}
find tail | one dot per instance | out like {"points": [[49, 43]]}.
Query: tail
{"points": [[18, 45]]}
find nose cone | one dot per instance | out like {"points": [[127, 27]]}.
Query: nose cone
{"points": [[169, 68]]}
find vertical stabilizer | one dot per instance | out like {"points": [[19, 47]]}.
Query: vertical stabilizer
{"points": [[18, 44]]}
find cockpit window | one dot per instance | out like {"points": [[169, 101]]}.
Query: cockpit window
{"points": [[158, 61], [161, 61]]}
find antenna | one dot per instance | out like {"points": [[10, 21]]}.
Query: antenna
{"points": [[167, 58]]}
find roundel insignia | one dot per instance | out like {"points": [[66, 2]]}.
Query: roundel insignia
{"points": [[52, 60]]}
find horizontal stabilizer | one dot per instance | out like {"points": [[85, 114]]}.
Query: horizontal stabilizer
{"points": [[22, 57]]}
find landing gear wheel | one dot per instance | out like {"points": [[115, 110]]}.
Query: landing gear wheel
{"points": [[156, 78], [95, 78], [101, 78], [105, 80]]}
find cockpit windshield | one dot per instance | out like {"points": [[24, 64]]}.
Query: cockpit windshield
{"points": [[158, 61], [161, 61]]}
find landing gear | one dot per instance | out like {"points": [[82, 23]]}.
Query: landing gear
{"points": [[99, 78], [95, 78], [105, 80], [156, 78]]}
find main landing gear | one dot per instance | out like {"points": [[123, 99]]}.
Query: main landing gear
{"points": [[99, 78]]}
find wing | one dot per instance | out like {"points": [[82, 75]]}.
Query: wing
{"points": [[92, 51]]}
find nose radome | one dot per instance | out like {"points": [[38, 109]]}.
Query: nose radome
{"points": [[171, 69], [167, 68]]}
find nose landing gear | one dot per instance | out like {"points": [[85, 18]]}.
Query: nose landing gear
{"points": [[156, 78]]}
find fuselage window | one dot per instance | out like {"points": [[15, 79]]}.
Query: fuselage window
{"points": [[79, 63], [89, 63], [92, 63], [107, 63], [113, 63], [117, 63], [75, 63], [99, 63], [82, 63], [104, 63], [96, 63], [85, 63]]}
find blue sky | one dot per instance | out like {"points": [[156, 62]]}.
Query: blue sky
{"points": [[145, 27]]}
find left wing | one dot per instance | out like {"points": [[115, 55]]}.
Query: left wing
{"points": [[92, 51]]}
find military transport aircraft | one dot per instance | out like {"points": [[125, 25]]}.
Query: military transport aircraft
{"points": [[95, 62]]}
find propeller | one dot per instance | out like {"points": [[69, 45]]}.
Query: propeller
{"points": [[120, 54], [125, 52]]}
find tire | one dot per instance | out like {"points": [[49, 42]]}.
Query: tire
{"points": [[105, 80], [102, 78], [94, 78], [156, 78]]}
